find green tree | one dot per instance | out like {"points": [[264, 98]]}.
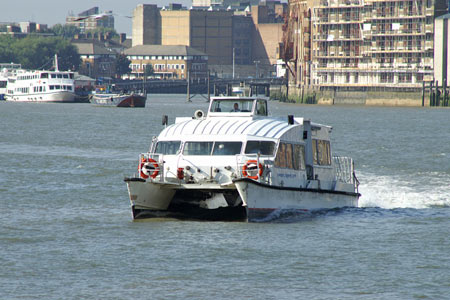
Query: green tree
{"points": [[6, 53], [70, 59], [65, 31], [122, 65], [35, 52]]}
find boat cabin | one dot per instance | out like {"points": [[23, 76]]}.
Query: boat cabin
{"points": [[237, 139], [240, 161], [237, 107]]}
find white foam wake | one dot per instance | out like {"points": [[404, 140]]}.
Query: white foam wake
{"points": [[424, 191]]}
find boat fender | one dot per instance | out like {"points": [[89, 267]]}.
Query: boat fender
{"points": [[252, 165], [147, 165]]}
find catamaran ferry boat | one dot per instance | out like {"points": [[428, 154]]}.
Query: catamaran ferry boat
{"points": [[41, 86], [237, 163]]}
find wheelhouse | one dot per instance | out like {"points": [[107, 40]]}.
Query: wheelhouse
{"points": [[237, 107]]}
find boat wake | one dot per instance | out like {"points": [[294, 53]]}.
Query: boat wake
{"points": [[418, 191], [295, 215]]}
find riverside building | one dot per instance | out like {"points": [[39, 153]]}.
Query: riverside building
{"points": [[362, 44], [168, 61], [247, 36]]}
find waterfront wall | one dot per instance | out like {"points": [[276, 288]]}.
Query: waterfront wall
{"points": [[369, 98]]}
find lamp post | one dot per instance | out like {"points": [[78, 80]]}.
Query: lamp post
{"points": [[257, 72], [233, 60]]}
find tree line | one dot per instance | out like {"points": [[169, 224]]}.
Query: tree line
{"points": [[35, 52]]}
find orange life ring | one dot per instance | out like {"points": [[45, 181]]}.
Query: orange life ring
{"points": [[152, 163], [248, 164]]}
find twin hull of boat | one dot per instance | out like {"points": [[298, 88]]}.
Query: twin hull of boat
{"points": [[256, 201]]}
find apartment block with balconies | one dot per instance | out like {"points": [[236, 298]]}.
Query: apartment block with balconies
{"points": [[373, 43]]}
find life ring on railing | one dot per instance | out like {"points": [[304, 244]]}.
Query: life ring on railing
{"points": [[146, 165], [252, 165]]}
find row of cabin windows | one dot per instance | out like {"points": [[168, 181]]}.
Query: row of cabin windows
{"points": [[60, 87], [38, 89], [215, 148], [45, 75], [291, 156], [21, 90], [63, 75]]}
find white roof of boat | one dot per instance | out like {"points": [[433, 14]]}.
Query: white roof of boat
{"points": [[236, 127]]}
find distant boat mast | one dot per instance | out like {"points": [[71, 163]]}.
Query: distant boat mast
{"points": [[56, 63]]}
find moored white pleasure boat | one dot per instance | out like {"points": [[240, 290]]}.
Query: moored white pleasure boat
{"points": [[41, 86], [237, 163]]}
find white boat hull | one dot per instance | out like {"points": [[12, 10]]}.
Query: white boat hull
{"points": [[62, 96], [147, 196], [262, 199], [258, 200]]}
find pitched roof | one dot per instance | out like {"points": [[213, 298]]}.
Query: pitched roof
{"points": [[91, 47], [163, 50]]}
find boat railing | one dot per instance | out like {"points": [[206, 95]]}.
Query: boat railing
{"points": [[344, 170], [158, 166], [252, 166]]}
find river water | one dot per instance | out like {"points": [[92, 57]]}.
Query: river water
{"points": [[66, 230]]}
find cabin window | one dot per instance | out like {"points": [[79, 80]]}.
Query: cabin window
{"points": [[261, 108], [168, 148], [3, 84], [291, 156], [299, 157], [53, 75], [321, 152], [60, 76], [261, 147], [289, 159], [198, 148], [66, 75], [44, 75], [232, 105], [71, 75], [227, 148], [280, 159]]}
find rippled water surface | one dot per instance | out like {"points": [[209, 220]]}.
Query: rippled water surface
{"points": [[66, 230]]}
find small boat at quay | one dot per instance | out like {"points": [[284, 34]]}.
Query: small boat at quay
{"points": [[41, 86], [6, 70], [118, 99], [238, 163]]}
